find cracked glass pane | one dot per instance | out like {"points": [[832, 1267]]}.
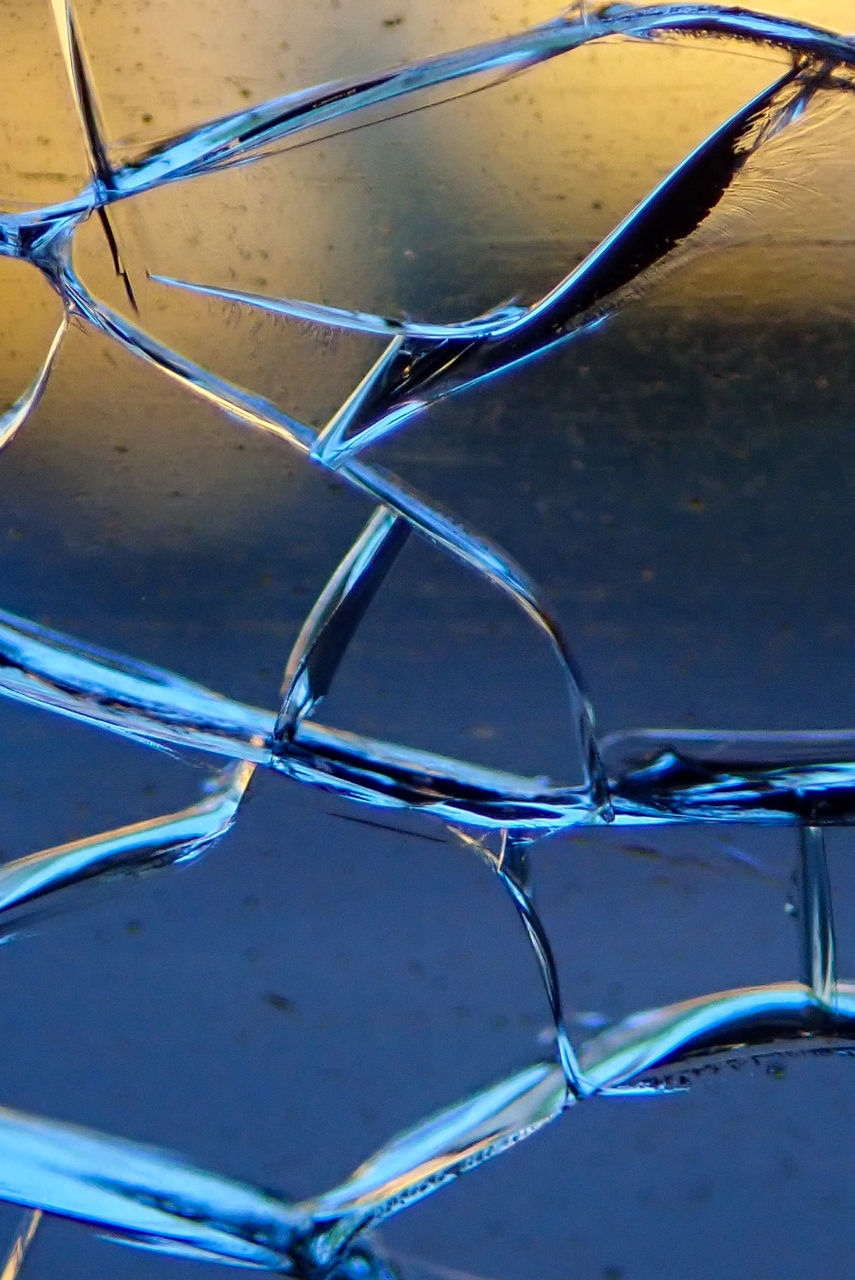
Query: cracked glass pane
{"points": [[423, 640]]}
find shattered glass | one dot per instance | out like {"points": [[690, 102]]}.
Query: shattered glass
{"points": [[380, 447]]}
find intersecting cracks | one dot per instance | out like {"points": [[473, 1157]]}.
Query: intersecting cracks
{"points": [[144, 1197]]}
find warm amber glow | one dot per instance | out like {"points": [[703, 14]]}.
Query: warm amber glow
{"points": [[443, 212]]}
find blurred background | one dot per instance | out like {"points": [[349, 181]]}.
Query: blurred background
{"points": [[680, 484]]}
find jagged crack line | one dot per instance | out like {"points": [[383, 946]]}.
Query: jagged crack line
{"points": [[335, 618], [250, 134], [522, 899], [661, 780], [737, 1019], [482, 556], [223, 141], [670, 785], [176, 1249], [677, 206], [157, 842], [440, 1148], [238, 404], [340, 438], [214, 391], [47, 668], [149, 1197], [230, 139], [138, 1193], [57, 673], [455, 1140], [474, 550], [412, 375], [723, 775], [341, 318]]}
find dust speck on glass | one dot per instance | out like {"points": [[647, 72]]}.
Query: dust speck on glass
{"points": [[635, 374]]}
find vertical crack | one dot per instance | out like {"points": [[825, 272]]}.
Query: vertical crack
{"points": [[83, 93], [816, 918]]}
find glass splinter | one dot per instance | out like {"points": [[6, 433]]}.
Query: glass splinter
{"points": [[816, 917], [20, 1245], [331, 625], [18, 412]]}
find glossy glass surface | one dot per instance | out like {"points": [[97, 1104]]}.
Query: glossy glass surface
{"points": [[501, 402]]}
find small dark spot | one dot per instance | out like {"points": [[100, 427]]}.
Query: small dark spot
{"points": [[393, 22], [120, 448], [596, 204], [146, 117], [613, 1273], [134, 926], [282, 1003]]}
